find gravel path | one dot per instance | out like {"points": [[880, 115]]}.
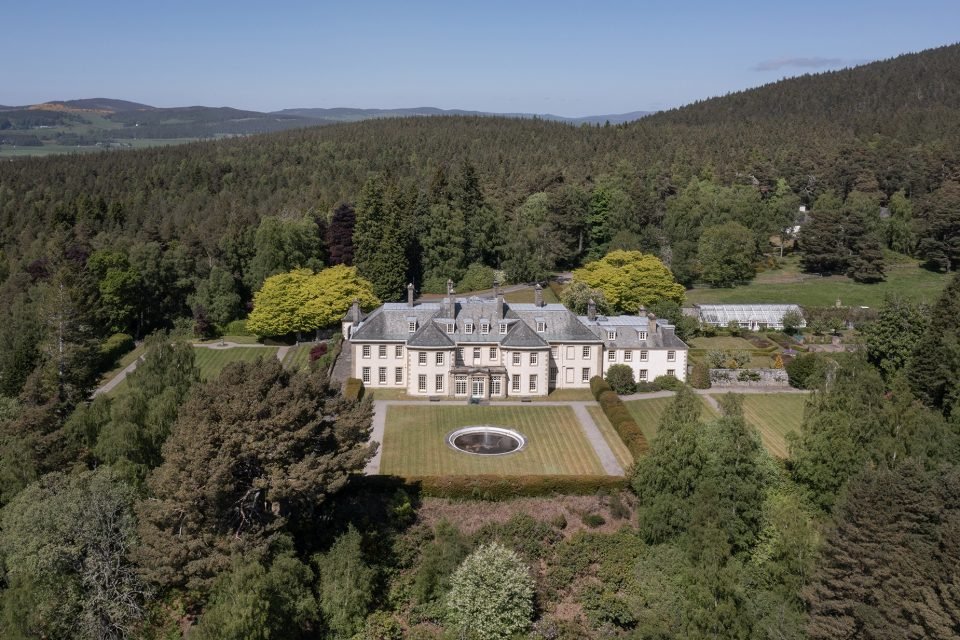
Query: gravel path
{"points": [[596, 439], [109, 386], [379, 422]]}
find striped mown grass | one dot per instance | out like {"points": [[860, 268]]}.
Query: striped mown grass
{"points": [[298, 357], [774, 415], [212, 361], [414, 441], [647, 414], [620, 450]]}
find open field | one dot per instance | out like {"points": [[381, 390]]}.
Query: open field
{"points": [[647, 413], [212, 361], [620, 451], [9, 151], [788, 285], [414, 441], [775, 415]]}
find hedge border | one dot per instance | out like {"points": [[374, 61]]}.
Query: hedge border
{"points": [[489, 487], [619, 416], [353, 390]]}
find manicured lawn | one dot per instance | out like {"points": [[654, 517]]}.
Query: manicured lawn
{"points": [[616, 445], [775, 415], [298, 357], [236, 339], [905, 279], [212, 361], [414, 441], [647, 413]]}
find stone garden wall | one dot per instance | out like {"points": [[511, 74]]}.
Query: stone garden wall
{"points": [[758, 378]]}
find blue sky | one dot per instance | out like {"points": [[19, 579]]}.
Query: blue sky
{"points": [[562, 57]]}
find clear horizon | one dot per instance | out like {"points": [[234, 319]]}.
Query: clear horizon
{"points": [[569, 59]]}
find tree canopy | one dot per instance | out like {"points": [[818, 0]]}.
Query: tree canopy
{"points": [[630, 280]]}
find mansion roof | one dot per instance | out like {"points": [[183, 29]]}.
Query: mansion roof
{"points": [[451, 321]]}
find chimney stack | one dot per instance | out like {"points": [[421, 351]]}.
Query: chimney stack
{"points": [[591, 309], [499, 297], [449, 302], [654, 327], [538, 295], [410, 295]]}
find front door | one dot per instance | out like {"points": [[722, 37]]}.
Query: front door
{"points": [[478, 388]]}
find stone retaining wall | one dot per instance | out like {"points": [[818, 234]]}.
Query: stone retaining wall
{"points": [[749, 378]]}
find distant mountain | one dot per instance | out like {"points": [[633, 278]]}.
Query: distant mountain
{"points": [[349, 114]]}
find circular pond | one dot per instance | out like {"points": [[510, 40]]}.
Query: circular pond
{"points": [[485, 440]]}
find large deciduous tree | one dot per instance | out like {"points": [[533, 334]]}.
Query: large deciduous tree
{"points": [[630, 280], [301, 301], [892, 337], [726, 254], [251, 452], [65, 543], [284, 243]]}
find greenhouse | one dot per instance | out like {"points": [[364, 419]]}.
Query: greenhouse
{"points": [[748, 316]]}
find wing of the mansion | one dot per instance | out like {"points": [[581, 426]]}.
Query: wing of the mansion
{"points": [[488, 348]]}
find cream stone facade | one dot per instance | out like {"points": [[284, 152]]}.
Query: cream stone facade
{"points": [[482, 348]]}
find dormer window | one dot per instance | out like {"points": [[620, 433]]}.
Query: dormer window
{"points": [[503, 328], [484, 328], [611, 335], [450, 327], [468, 327], [412, 326], [642, 335], [541, 325]]}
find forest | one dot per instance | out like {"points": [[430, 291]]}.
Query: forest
{"points": [[236, 505]]}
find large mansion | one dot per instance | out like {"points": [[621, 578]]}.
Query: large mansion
{"points": [[488, 348]]}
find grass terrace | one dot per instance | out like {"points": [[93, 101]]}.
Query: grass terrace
{"points": [[212, 361], [298, 357], [775, 415], [647, 413], [414, 441]]}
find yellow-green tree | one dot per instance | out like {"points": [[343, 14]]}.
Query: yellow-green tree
{"points": [[301, 300], [630, 279]]}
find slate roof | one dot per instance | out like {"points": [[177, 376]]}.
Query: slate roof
{"points": [[561, 324], [430, 335], [522, 336], [627, 330]]}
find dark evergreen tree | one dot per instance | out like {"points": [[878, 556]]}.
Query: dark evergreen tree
{"points": [[340, 235], [935, 361], [938, 217]]}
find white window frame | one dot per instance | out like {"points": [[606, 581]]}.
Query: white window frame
{"points": [[586, 352], [628, 355], [612, 355], [459, 355], [671, 356], [412, 327], [503, 328], [382, 375], [422, 358], [484, 328], [365, 351], [541, 327], [585, 374], [476, 354], [553, 375], [468, 328], [496, 385], [555, 352], [460, 385], [534, 358], [365, 375], [493, 353], [642, 375], [382, 351], [533, 383], [611, 335], [450, 327], [516, 358], [422, 383], [398, 375], [439, 358], [438, 382], [398, 351], [644, 355], [642, 335], [672, 372], [515, 383]]}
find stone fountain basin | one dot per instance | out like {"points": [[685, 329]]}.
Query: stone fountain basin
{"points": [[486, 440]]}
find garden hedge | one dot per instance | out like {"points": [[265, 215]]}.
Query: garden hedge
{"points": [[619, 416], [353, 390], [489, 487]]}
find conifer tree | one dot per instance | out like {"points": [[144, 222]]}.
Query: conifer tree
{"points": [[935, 361]]}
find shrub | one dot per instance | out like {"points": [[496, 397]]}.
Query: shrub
{"points": [[718, 359], [236, 328], [668, 383], [597, 386], [748, 375], [114, 347], [618, 509], [647, 387], [559, 521], [700, 375], [491, 595], [623, 423], [477, 278], [488, 487], [353, 390], [318, 351], [620, 378], [800, 369], [346, 584], [593, 520]]}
